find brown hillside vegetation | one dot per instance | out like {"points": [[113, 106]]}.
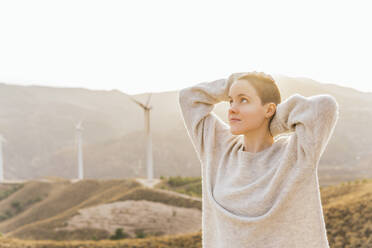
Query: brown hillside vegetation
{"points": [[348, 214], [192, 240], [63, 200], [94, 209], [191, 186], [347, 209], [151, 217]]}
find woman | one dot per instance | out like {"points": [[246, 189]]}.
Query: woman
{"points": [[260, 189]]}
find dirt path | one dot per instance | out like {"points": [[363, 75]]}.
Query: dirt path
{"points": [[148, 183]]}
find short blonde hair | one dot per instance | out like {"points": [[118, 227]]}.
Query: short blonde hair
{"points": [[264, 84]]}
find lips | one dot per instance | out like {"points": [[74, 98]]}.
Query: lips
{"points": [[234, 119]]}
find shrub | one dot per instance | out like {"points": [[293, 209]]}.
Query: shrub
{"points": [[140, 233], [119, 234]]}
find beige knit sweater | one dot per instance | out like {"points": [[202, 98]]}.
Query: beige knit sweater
{"points": [[268, 199]]}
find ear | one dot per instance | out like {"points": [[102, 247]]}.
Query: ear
{"points": [[270, 109]]}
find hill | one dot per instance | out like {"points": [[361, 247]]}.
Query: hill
{"points": [[173, 241], [348, 213], [39, 125], [90, 209], [90, 213]]}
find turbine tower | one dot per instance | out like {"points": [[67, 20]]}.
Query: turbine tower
{"points": [[2, 140], [149, 157], [79, 130]]}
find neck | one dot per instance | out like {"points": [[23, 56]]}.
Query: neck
{"points": [[257, 140]]}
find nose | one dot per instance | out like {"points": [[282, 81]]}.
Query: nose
{"points": [[233, 109]]}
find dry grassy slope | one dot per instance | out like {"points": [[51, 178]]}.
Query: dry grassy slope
{"points": [[348, 213], [66, 199], [31, 195], [347, 209], [4, 187], [191, 186], [163, 196], [192, 240], [39, 219], [152, 218]]}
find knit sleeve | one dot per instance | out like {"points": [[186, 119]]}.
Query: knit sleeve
{"points": [[312, 119], [205, 129]]}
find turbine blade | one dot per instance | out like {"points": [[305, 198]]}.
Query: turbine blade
{"points": [[139, 103], [79, 125], [148, 99]]}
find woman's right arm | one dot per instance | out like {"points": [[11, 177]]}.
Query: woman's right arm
{"points": [[204, 127]]}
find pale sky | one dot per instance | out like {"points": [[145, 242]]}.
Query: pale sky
{"points": [[142, 46]]}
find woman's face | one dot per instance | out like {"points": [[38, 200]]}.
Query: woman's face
{"points": [[245, 105]]}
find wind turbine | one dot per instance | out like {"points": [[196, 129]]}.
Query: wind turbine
{"points": [[149, 157], [2, 140], [79, 130]]}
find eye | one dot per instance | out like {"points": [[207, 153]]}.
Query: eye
{"points": [[245, 99]]}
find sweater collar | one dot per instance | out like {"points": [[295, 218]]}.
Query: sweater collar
{"points": [[250, 155]]}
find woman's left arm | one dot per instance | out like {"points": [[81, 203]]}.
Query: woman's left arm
{"points": [[313, 120]]}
